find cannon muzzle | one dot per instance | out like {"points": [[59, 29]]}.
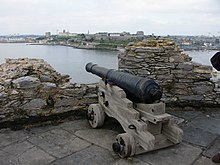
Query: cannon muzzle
{"points": [[137, 89]]}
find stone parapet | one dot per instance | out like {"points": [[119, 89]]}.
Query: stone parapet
{"points": [[32, 88], [184, 82]]}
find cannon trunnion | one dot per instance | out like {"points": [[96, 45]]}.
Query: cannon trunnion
{"points": [[147, 127]]}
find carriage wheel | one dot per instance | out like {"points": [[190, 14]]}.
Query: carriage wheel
{"points": [[124, 145], [96, 115]]}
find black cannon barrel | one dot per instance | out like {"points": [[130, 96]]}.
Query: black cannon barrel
{"points": [[137, 89]]}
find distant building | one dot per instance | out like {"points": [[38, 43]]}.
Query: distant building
{"points": [[73, 34], [140, 33], [125, 33], [47, 34], [64, 33], [114, 34], [102, 34], [89, 37]]}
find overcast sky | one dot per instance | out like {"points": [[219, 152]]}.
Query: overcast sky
{"points": [[161, 17]]}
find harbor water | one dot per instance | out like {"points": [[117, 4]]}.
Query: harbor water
{"points": [[71, 61]]}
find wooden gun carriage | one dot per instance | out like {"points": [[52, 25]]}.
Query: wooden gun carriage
{"points": [[135, 103]]}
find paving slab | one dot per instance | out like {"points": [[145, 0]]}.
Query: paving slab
{"points": [[208, 124], [7, 159], [214, 114], [112, 124], [75, 142], [204, 161], [178, 120], [92, 155], [27, 156], [8, 137], [187, 115], [100, 137], [35, 156], [38, 130], [130, 161], [73, 126], [198, 136], [18, 148], [59, 143], [213, 149], [182, 154]]}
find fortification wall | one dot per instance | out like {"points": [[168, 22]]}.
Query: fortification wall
{"points": [[31, 88], [185, 84]]}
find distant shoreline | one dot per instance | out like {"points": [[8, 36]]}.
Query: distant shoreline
{"points": [[77, 46], [15, 42], [110, 49], [97, 48]]}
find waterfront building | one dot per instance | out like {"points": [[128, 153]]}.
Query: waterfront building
{"points": [[47, 34], [140, 33]]}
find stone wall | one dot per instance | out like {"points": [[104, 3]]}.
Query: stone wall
{"points": [[184, 83], [31, 88]]}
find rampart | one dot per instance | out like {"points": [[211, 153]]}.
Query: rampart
{"points": [[31, 90], [185, 84]]}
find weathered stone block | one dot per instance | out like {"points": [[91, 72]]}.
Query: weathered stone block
{"points": [[204, 76], [202, 89], [176, 59], [185, 80], [208, 124], [26, 82], [201, 71], [185, 66], [48, 86], [46, 78], [35, 104], [180, 91], [181, 154], [197, 136], [143, 72], [213, 149], [63, 144], [204, 161], [147, 49], [165, 77], [191, 98], [92, 158]]}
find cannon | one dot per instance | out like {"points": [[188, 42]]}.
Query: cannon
{"points": [[135, 102], [137, 89]]}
